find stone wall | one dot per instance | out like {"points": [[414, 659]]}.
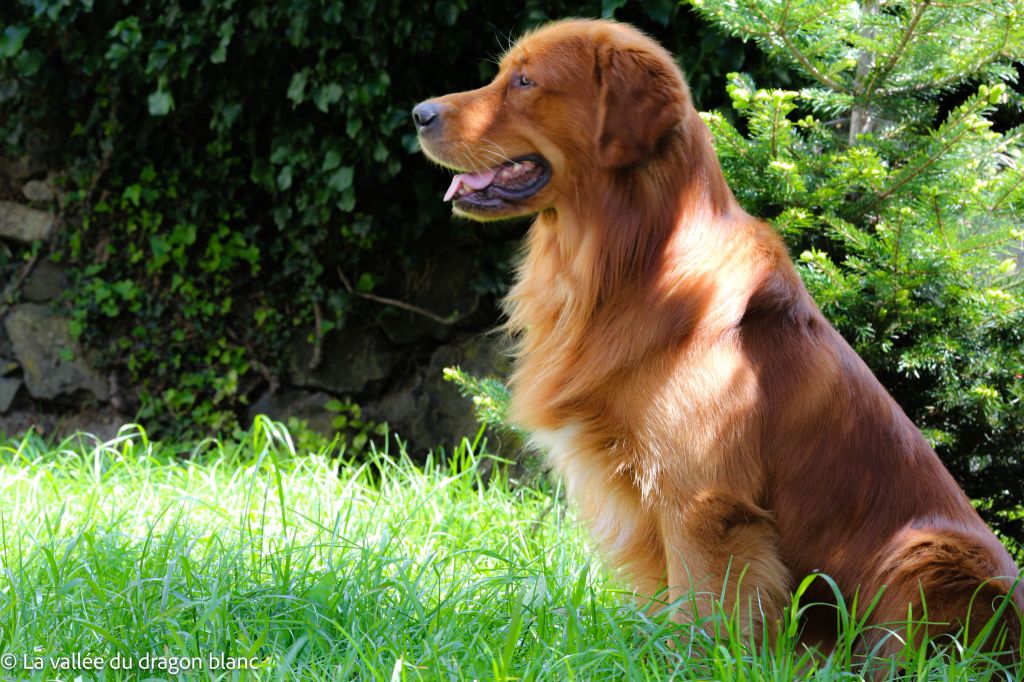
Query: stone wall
{"points": [[47, 382], [393, 370]]}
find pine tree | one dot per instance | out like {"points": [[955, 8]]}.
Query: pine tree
{"points": [[902, 203]]}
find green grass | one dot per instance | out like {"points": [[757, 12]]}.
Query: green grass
{"points": [[380, 570]]}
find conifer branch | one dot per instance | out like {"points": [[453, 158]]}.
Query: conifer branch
{"points": [[960, 75], [907, 176], [794, 51], [1002, 197], [890, 64]]}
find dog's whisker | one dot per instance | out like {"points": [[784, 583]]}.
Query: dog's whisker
{"points": [[471, 159], [495, 151], [496, 158]]}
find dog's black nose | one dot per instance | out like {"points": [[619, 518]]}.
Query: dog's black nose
{"points": [[425, 113]]}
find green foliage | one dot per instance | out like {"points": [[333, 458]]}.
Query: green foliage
{"points": [[904, 208], [490, 398], [352, 435], [891, 57], [225, 161], [349, 422]]}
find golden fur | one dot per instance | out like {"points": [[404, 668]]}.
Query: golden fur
{"points": [[706, 418]]}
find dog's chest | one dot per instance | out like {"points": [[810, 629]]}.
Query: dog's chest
{"points": [[608, 504], [672, 433], [560, 448]]}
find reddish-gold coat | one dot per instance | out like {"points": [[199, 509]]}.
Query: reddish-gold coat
{"points": [[706, 418]]}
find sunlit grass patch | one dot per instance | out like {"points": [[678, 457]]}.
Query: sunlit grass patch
{"points": [[306, 565]]}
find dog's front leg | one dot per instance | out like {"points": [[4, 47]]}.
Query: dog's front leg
{"points": [[720, 548]]}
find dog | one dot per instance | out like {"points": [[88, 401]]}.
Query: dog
{"points": [[720, 439]]}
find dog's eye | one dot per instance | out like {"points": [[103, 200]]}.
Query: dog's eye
{"points": [[523, 82]]}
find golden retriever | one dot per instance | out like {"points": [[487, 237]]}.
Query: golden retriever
{"points": [[716, 433]]}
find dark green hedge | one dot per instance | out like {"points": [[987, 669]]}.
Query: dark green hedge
{"points": [[225, 160]]}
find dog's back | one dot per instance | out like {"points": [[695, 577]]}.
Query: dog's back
{"points": [[856, 490]]}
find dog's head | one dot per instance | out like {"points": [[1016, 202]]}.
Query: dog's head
{"points": [[571, 99]]}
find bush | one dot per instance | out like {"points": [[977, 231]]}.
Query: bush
{"points": [[226, 161], [903, 204]]}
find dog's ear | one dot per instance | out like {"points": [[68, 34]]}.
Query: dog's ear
{"points": [[639, 99]]}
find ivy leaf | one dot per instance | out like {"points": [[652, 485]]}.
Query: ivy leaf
{"points": [[332, 160], [284, 178], [447, 12], [609, 7], [348, 201], [12, 39], [29, 62], [366, 282], [297, 87], [411, 142], [262, 173], [132, 193], [160, 103], [327, 95], [226, 32], [353, 126], [341, 179], [660, 10]]}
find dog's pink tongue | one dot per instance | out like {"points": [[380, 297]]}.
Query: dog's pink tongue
{"points": [[477, 180]]}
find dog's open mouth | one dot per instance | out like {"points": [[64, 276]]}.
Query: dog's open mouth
{"points": [[497, 188]]}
